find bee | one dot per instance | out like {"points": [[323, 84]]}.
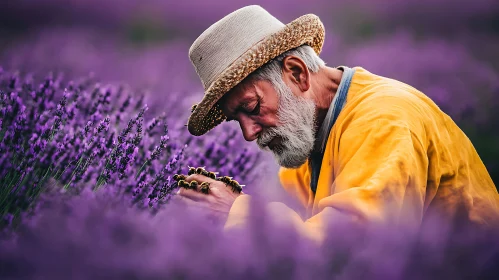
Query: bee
{"points": [[193, 185], [202, 171], [235, 183], [192, 170], [235, 186], [199, 170], [183, 184], [205, 187], [225, 179], [178, 177], [213, 175]]}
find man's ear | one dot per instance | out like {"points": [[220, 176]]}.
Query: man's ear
{"points": [[295, 71]]}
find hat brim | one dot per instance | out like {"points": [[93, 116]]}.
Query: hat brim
{"points": [[307, 29]]}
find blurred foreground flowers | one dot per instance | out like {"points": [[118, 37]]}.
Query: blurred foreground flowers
{"points": [[97, 236]]}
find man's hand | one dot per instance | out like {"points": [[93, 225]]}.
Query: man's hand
{"points": [[216, 203]]}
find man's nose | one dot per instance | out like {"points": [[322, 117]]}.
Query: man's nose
{"points": [[250, 129]]}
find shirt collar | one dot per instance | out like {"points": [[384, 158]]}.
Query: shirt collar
{"points": [[323, 132]]}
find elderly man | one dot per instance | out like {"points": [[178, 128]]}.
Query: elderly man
{"points": [[351, 143]]}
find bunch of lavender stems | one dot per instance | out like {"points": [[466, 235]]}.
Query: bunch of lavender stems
{"points": [[84, 134]]}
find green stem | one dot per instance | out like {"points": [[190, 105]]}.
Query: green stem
{"points": [[141, 168], [46, 172], [100, 179], [66, 168], [9, 189], [72, 174]]}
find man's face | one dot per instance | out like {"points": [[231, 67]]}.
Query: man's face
{"points": [[280, 121]]}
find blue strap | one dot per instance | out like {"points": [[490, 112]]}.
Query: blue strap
{"points": [[332, 114]]}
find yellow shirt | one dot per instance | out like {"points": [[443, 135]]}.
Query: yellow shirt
{"points": [[392, 156]]}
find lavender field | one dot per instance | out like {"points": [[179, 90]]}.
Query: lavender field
{"points": [[94, 96]]}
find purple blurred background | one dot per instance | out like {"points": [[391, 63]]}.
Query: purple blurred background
{"points": [[446, 48]]}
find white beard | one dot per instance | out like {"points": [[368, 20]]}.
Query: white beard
{"points": [[296, 129]]}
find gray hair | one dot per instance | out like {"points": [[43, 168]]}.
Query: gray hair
{"points": [[272, 71]]}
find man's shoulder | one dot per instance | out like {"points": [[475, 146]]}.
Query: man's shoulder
{"points": [[375, 92], [386, 98], [374, 86]]}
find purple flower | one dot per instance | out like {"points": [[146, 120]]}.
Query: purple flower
{"points": [[58, 132]]}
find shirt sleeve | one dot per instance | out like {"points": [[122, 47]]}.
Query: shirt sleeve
{"points": [[296, 183], [380, 171]]}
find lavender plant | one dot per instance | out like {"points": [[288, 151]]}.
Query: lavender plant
{"points": [[87, 158], [85, 135]]}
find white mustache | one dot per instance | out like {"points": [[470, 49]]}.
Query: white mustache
{"points": [[266, 137]]}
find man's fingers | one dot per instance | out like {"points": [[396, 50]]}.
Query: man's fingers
{"points": [[199, 178], [192, 194]]}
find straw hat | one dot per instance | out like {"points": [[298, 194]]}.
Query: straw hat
{"points": [[235, 46]]}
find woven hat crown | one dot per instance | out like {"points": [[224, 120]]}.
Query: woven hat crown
{"points": [[227, 39]]}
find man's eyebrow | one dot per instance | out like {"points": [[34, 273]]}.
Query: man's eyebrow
{"points": [[242, 102], [233, 112], [239, 107]]}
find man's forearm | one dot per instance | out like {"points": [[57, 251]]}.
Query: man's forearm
{"points": [[313, 229]]}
